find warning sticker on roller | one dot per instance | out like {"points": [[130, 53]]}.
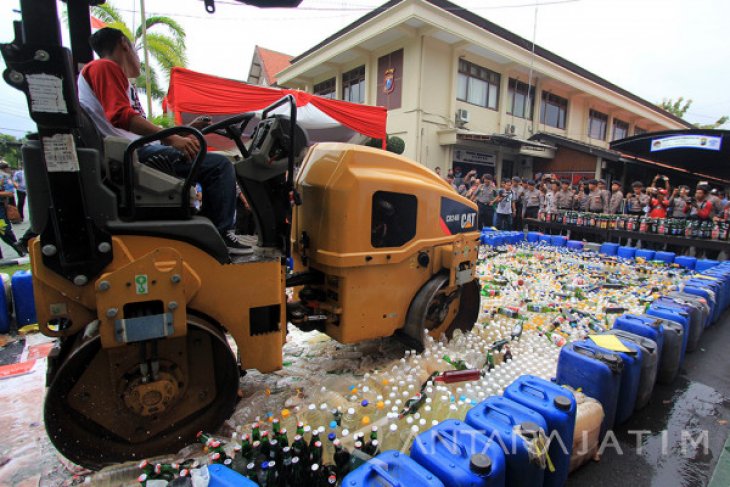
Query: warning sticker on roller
{"points": [[46, 93], [60, 153]]}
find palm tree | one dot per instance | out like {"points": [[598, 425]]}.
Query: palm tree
{"points": [[166, 47]]}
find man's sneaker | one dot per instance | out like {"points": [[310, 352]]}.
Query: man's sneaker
{"points": [[234, 244]]}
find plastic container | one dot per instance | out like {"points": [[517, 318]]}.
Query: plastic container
{"points": [[630, 378], [675, 315], [685, 261], [708, 294], [698, 301], [695, 314], [649, 364], [558, 240], [520, 430], [545, 239], [645, 326], [391, 468], [608, 248], [597, 374], [557, 406], [459, 455], [588, 419], [5, 305], [222, 476], [704, 264], [533, 237], [592, 246], [574, 245], [626, 252], [667, 257], [22, 286], [723, 277], [645, 254]]}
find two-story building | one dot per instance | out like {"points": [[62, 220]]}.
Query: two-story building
{"points": [[463, 91]]}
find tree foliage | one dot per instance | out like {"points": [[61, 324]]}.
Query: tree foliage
{"points": [[10, 149], [680, 106], [165, 44], [393, 144]]}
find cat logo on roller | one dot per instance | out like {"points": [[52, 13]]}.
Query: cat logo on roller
{"points": [[456, 217]]}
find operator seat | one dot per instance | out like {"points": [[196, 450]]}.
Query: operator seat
{"points": [[158, 196]]}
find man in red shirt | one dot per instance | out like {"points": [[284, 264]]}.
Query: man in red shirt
{"points": [[702, 208], [112, 103]]}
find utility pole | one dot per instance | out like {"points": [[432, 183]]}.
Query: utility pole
{"points": [[146, 59]]}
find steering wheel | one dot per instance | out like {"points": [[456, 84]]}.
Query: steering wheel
{"points": [[232, 128]]}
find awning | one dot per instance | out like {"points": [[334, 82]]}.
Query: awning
{"points": [[704, 153], [524, 146], [576, 145], [191, 94]]}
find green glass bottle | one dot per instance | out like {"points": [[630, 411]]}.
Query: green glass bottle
{"points": [[255, 432]]}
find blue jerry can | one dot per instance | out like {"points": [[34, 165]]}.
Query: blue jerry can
{"points": [[518, 430], [22, 286], [676, 315], [596, 373], [459, 455], [391, 468], [558, 407], [222, 476], [630, 378]]}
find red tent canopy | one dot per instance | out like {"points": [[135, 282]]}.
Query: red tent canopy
{"points": [[196, 93]]}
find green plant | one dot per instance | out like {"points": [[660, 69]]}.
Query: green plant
{"points": [[393, 144]]}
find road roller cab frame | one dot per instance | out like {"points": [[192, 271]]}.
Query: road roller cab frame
{"points": [[142, 294]]}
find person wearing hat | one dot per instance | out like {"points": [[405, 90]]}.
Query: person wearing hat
{"points": [[6, 192], [717, 204], [597, 201], [549, 203], [616, 199], [517, 190], [564, 197], [606, 192], [580, 199], [484, 197], [531, 200], [637, 201]]}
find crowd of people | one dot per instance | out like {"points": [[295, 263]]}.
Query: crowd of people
{"points": [[505, 206]]}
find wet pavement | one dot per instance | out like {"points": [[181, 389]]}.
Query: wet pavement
{"points": [[678, 438]]}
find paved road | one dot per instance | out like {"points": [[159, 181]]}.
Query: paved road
{"points": [[695, 407]]}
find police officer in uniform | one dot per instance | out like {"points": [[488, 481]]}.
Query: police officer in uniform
{"points": [[531, 200], [615, 201], [638, 200], [597, 201], [564, 198]]}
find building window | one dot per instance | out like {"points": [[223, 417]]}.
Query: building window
{"points": [[639, 131], [325, 89], [477, 85], [554, 110], [353, 85], [520, 99], [597, 123], [620, 129]]}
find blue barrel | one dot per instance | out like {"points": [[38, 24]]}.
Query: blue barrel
{"points": [[649, 364], [500, 240], [391, 468], [558, 240], [667, 257], [676, 315], [630, 378], [645, 326], [626, 252], [4, 307], [704, 264], [608, 248], [533, 237], [545, 239], [22, 286], [575, 245], [222, 476], [517, 237], [685, 261], [518, 429], [597, 374], [557, 406], [645, 254], [460, 455], [695, 315]]}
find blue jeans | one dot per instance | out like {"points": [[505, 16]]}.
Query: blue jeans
{"points": [[215, 175], [503, 221]]}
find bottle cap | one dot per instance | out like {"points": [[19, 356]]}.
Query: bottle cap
{"points": [[562, 402], [480, 464], [529, 429]]}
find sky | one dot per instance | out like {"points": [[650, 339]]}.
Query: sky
{"points": [[653, 48]]}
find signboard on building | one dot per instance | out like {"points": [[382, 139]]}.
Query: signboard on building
{"points": [[390, 80], [474, 157], [707, 142]]}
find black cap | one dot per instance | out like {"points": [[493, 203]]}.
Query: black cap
{"points": [[531, 182], [489, 176], [637, 184], [516, 179], [480, 464], [562, 402], [602, 181], [529, 429], [592, 181]]}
